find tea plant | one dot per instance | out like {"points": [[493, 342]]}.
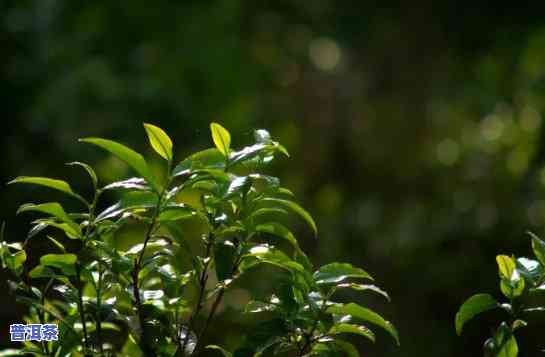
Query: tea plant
{"points": [[204, 223], [521, 279]]}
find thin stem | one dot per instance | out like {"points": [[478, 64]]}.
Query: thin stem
{"points": [[202, 283], [45, 346], [148, 350], [309, 337], [217, 301], [99, 303], [98, 320], [80, 308]]}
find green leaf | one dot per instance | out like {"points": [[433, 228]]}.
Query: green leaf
{"points": [[509, 349], [505, 342], [175, 213], [51, 208], [473, 306], [159, 140], [55, 184], [130, 201], [223, 351], [365, 314], [57, 244], [278, 230], [248, 153], [41, 271], [129, 156], [353, 329], [337, 272], [16, 260], [365, 287], [70, 231], [54, 209], [262, 136], [89, 170], [347, 348], [238, 186], [221, 138], [65, 262], [295, 208], [206, 159], [538, 246], [530, 270], [268, 212], [267, 254], [506, 266], [133, 183], [262, 335], [512, 288], [511, 285]]}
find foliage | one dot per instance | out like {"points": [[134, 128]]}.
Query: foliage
{"points": [[520, 280], [160, 296]]}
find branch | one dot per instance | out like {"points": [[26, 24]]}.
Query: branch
{"points": [[80, 308], [202, 282]]}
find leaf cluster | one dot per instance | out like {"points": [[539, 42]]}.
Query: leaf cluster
{"points": [[521, 280], [211, 219]]}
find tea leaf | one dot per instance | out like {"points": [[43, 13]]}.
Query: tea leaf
{"points": [[159, 140], [221, 138]]}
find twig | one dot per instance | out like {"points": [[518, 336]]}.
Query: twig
{"points": [[202, 282], [80, 308], [148, 350], [309, 337], [218, 299]]}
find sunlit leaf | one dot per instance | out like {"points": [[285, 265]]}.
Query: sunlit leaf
{"points": [[353, 329], [362, 313], [41, 271], [129, 156], [65, 262], [55, 184], [530, 270], [209, 158], [16, 260], [57, 244], [267, 254], [175, 213], [262, 136], [223, 351], [473, 306], [129, 201], [134, 183], [506, 266], [365, 287], [54, 209], [338, 272], [221, 138], [159, 140]]}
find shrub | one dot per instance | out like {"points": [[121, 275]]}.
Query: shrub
{"points": [[206, 222], [521, 279]]}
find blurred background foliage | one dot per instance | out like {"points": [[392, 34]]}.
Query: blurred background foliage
{"points": [[415, 130]]}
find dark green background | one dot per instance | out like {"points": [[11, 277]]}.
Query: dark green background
{"points": [[415, 129]]}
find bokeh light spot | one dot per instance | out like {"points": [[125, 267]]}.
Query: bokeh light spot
{"points": [[325, 53], [448, 152], [492, 127]]}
